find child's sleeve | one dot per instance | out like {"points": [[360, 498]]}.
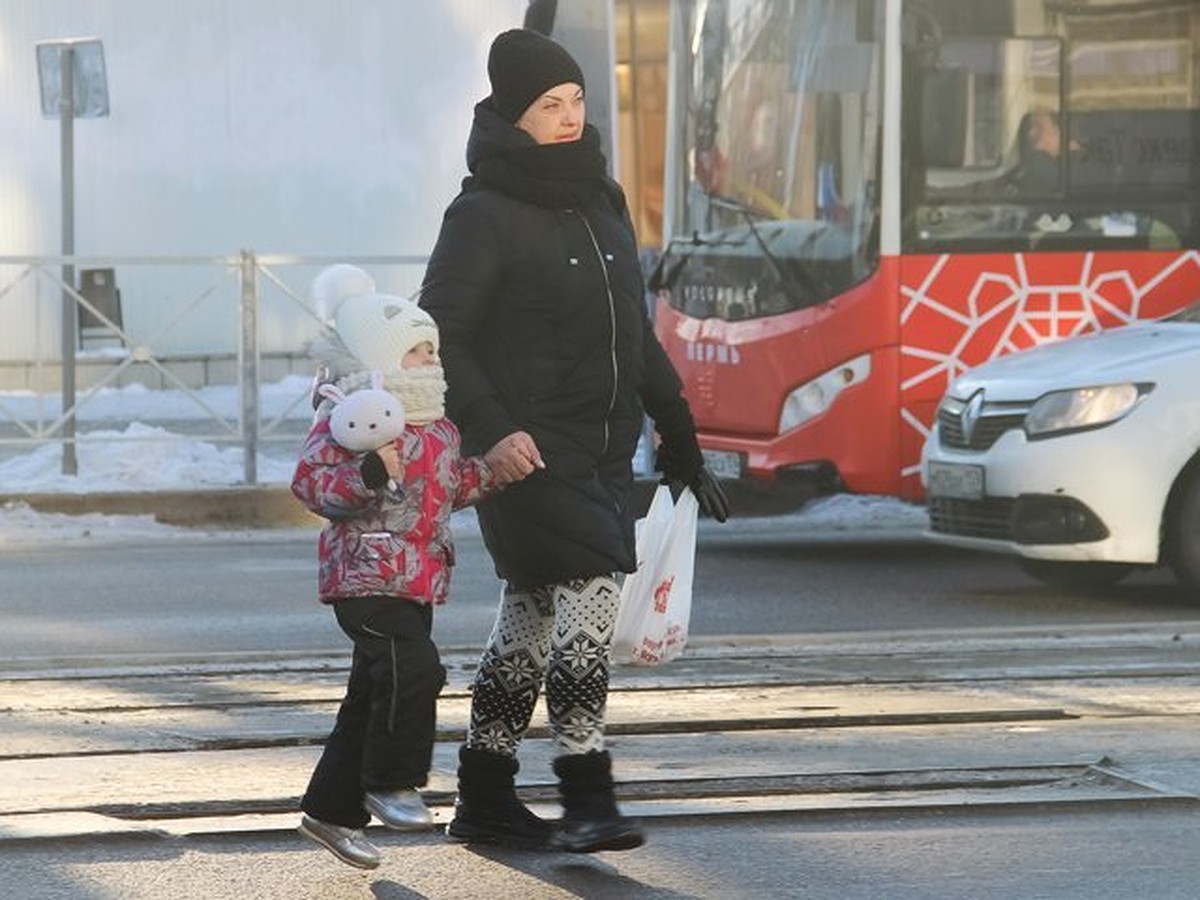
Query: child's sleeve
{"points": [[475, 481], [329, 478]]}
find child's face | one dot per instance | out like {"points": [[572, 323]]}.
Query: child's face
{"points": [[421, 355]]}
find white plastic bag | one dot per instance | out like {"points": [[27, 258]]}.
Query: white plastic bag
{"points": [[656, 600]]}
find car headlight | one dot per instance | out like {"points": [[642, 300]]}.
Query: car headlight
{"points": [[1062, 412]]}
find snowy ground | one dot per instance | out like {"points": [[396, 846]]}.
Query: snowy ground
{"points": [[144, 456]]}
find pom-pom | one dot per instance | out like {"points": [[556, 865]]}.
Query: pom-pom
{"points": [[334, 284]]}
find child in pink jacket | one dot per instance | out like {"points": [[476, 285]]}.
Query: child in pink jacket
{"points": [[385, 556]]}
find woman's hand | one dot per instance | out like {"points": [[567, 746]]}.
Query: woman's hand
{"points": [[513, 458]]}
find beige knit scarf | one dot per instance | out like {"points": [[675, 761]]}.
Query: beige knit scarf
{"points": [[422, 390]]}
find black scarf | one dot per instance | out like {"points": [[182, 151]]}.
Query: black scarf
{"points": [[556, 176]]}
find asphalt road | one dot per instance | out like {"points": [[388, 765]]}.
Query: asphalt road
{"points": [[893, 763], [945, 855], [911, 668], [224, 593]]}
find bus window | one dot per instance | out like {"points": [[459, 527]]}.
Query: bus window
{"points": [[1002, 156]]}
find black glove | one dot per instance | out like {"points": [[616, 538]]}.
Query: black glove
{"points": [[710, 495], [681, 463], [679, 458], [374, 472]]}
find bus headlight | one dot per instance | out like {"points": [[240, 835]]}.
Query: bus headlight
{"points": [[814, 397], [1062, 412]]}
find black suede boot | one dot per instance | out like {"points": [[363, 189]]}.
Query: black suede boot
{"points": [[590, 820], [487, 809]]}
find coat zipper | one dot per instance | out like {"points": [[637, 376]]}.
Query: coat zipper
{"points": [[612, 325]]}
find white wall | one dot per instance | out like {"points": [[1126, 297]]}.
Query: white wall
{"points": [[286, 126]]}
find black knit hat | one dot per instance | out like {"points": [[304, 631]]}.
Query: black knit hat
{"points": [[522, 65]]}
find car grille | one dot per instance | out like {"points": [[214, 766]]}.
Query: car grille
{"points": [[987, 429], [987, 518]]}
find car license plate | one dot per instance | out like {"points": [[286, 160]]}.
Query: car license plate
{"points": [[958, 480], [724, 463]]}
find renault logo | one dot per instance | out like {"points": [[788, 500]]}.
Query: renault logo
{"points": [[969, 417]]}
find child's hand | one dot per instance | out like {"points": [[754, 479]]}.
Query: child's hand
{"points": [[389, 455]]}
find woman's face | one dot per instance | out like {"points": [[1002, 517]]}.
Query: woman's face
{"points": [[555, 117]]}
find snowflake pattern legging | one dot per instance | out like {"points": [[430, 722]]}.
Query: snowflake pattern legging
{"points": [[558, 634]]}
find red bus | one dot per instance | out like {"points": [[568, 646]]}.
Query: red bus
{"points": [[871, 196]]}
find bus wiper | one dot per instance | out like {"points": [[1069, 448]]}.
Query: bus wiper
{"points": [[733, 204], [663, 276], [748, 213]]}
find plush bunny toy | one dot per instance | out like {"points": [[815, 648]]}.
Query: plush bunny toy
{"points": [[364, 420]]}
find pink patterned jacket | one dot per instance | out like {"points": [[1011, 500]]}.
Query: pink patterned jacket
{"points": [[388, 542]]}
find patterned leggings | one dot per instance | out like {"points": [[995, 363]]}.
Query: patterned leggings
{"points": [[557, 634]]}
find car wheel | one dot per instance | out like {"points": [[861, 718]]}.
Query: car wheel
{"points": [[1071, 574], [1183, 536]]}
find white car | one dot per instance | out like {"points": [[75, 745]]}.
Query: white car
{"points": [[1080, 457]]}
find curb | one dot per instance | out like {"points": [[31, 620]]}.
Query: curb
{"points": [[274, 506], [257, 506]]}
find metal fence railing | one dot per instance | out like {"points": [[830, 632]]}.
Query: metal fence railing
{"points": [[222, 349], [218, 316]]}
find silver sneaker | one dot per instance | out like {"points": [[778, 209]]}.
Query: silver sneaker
{"points": [[400, 810], [347, 844]]}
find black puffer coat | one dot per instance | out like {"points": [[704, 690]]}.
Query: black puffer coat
{"points": [[544, 329]]}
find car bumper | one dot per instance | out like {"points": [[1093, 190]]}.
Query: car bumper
{"points": [[1092, 496]]}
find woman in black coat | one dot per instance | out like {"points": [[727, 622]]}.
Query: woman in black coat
{"points": [[551, 363]]}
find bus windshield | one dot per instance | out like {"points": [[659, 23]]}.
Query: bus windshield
{"points": [[782, 150]]}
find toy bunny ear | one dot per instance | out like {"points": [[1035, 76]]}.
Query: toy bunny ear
{"points": [[377, 380], [331, 392], [334, 284]]}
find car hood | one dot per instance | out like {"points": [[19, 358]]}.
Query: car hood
{"points": [[1136, 352]]}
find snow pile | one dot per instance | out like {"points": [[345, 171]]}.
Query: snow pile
{"points": [[145, 457]]}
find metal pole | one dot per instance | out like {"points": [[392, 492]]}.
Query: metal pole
{"points": [[635, 135], [248, 276], [893, 53], [66, 107]]}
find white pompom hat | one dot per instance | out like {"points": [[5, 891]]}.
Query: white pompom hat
{"points": [[378, 329]]}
